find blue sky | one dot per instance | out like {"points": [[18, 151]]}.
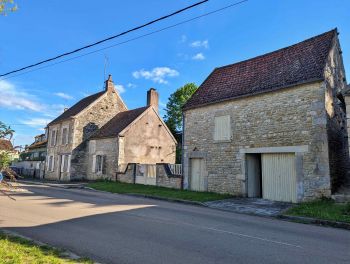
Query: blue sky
{"points": [[165, 61]]}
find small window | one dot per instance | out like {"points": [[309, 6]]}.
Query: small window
{"points": [[64, 136], [222, 128], [100, 164], [65, 163]]}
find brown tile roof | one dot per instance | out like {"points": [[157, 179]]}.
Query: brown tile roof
{"points": [[5, 144], [299, 63], [77, 108], [119, 122], [41, 144]]}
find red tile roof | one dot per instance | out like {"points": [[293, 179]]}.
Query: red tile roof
{"points": [[5, 144], [77, 108], [299, 63], [118, 123]]}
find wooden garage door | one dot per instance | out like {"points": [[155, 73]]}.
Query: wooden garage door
{"points": [[196, 180], [279, 177]]}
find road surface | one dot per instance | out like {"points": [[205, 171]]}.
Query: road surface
{"points": [[112, 228]]}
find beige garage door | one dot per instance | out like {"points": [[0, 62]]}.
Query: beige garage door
{"points": [[197, 180], [279, 177]]}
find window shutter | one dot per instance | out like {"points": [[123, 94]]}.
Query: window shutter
{"points": [[62, 162], [93, 163], [104, 164], [53, 163], [68, 168], [222, 129]]}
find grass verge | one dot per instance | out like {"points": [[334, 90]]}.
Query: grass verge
{"points": [[325, 209], [17, 250], [127, 188]]}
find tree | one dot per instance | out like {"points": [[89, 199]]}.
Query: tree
{"points": [[7, 6], [6, 131], [173, 116]]}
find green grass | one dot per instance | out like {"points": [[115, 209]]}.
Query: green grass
{"points": [[16, 250], [127, 188], [322, 209]]}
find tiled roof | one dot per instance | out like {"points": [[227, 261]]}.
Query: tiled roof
{"points": [[41, 144], [5, 144], [119, 122], [77, 108], [299, 63]]}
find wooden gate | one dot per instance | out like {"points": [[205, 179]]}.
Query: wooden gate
{"points": [[197, 177], [279, 177], [146, 174]]}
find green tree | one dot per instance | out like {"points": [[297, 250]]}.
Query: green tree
{"points": [[173, 116], [7, 6], [6, 131]]}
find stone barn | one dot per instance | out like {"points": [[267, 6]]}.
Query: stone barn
{"points": [[273, 126]]}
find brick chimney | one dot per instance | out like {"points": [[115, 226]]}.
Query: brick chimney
{"points": [[152, 98], [109, 85]]}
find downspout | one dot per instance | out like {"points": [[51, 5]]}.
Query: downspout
{"points": [[182, 150]]}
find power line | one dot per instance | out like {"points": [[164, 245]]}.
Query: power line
{"points": [[132, 39], [107, 39]]}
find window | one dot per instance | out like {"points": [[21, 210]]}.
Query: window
{"points": [[64, 135], [53, 138], [65, 163], [99, 164], [51, 163], [222, 128]]}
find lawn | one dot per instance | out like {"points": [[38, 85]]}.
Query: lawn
{"points": [[127, 188], [322, 209], [16, 250]]}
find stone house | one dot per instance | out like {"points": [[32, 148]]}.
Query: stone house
{"points": [[273, 126], [32, 160], [97, 135]]}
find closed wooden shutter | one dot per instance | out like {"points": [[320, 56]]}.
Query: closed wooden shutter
{"points": [[104, 164], [93, 163], [222, 128]]}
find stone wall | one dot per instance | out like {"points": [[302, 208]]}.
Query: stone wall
{"points": [[147, 141], [107, 147], [166, 179], [292, 116], [128, 175], [336, 118], [95, 117]]}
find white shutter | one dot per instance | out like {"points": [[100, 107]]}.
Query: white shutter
{"points": [[53, 163], [93, 163], [222, 128], [63, 157], [68, 168]]}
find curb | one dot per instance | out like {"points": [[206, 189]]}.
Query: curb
{"points": [[314, 221], [63, 252], [57, 185], [151, 197]]}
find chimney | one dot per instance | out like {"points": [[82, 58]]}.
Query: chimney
{"points": [[109, 85], [152, 98]]}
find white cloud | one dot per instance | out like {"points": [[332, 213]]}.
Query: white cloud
{"points": [[183, 39], [200, 44], [64, 95], [14, 98], [36, 122], [120, 88], [158, 74], [131, 85], [198, 56]]}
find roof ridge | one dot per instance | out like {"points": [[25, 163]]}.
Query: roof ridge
{"points": [[278, 50]]}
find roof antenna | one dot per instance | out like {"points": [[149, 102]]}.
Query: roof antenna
{"points": [[105, 67]]}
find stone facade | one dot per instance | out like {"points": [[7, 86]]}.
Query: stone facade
{"points": [[293, 116], [80, 128]]}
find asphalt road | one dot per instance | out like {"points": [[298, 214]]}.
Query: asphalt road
{"points": [[122, 229]]}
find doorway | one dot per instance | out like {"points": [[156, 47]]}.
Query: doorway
{"points": [[197, 177], [254, 175]]}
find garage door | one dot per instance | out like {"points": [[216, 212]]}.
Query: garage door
{"points": [[197, 180], [279, 177]]}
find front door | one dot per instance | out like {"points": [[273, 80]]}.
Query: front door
{"points": [[253, 167], [196, 180]]}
